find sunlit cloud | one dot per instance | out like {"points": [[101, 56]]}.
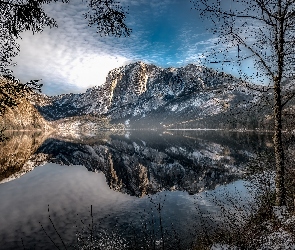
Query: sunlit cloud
{"points": [[74, 57], [92, 70]]}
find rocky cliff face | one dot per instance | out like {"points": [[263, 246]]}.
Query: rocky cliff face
{"points": [[24, 116], [17, 113], [146, 95]]}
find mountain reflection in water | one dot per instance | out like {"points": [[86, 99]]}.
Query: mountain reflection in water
{"points": [[17, 154], [146, 162], [134, 163]]}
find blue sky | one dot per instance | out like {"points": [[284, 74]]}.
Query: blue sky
{"points": [[73, 57]]}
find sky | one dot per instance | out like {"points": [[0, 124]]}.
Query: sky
{"points": [[73, 57]]}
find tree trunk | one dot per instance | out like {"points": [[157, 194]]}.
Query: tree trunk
{"points": [[278, 147]]}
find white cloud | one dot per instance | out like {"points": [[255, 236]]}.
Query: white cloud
{"points": [[74, 57], [70, 58], [92, 69], [80, 67]]}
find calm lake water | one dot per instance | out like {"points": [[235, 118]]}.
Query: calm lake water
{"points": [[146, 189]]}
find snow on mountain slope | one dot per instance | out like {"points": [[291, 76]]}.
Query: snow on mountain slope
{"points": [[145, 94]]}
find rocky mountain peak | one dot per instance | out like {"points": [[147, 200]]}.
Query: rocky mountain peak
{"points": [[154, 96]]}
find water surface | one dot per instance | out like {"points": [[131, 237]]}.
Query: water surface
{"points": [[145, 187]]}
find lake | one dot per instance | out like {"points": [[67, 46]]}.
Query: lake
{"points": [[123, 190]]}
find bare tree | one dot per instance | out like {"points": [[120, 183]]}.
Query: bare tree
{"points": [[261, 32], [17, 16]]}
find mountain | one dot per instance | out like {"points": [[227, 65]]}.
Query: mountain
{"points": [[84, 124], [17, 113], [24, 116], [142, 95]]}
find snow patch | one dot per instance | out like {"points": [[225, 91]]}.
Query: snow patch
{"points": [[174, 107]]}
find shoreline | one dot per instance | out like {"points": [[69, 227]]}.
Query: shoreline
{"points": [[146, 129]]}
